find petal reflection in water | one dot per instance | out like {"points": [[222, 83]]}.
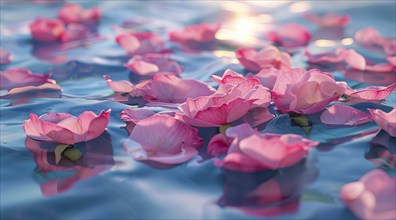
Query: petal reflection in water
{"points": [[97, 156]]}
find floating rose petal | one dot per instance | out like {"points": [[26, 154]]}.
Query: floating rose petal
{"points": [[305, 92], [21, 77], [171, 89], [5, 56], [344, 115], [233, 99], [135, 115], [374, 93], [268, 57], [386, 121], [123, 86], [267, 77], [290, 35], [163, 139], [328, 20], [49, 90], [372, 197], [150, 64], [141, 42], [75, 13], [251, 151], [392, 60], [371, 37], [47, 30], [65, 128], [218, 145], [201, 33]]}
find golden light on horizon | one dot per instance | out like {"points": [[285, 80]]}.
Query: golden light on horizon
{"points": [[325, 43], [299, 7], [347, 41]]}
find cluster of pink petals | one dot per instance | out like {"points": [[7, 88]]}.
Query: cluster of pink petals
{"points": [[163, 139], [352, 58], [21, 77], [5, 56], [268, 57], [140, 42], [75, 13], [65, 128], [54, 30], [372, 197], [135, 115], [235, 96], [150, 64], [328, 20], [371, 93], [290, 35], [371, 37], [386, 121], [162, 88], [200, 33], [250, 151], [339, 114], [305, 92]]}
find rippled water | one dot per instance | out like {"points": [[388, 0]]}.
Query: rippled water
{"points": [[108, 184]]}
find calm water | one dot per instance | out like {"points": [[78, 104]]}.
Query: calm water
{"points": [[108, 184]]}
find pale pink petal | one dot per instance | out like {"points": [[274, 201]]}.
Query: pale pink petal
{"points": [[172, 89], [380, 67], [257, 116], [33, 128], [372, 197], [135, 115], [5, 56], [218, 145], [355, 60], [386, 121], [344, 115], [245, 57], [46, 30], [372, 92], [149, 64], [21, 77], [163, 139], [290, 35], [45, 90], [200, 33], [141, 42], [267, 77], [142, 67], [122, 86]]}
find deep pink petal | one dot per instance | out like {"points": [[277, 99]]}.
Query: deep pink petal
{"points": [[200, 33], [328, 20], [46, 30], [241, 163], [344, 115], [290, 35], [218, 145], [96, 125]]}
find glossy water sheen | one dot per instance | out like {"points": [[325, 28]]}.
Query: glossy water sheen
{"points": [[108, 184]]}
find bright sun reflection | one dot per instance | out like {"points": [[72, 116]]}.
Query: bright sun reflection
{"points": [[237, 7], [325, 43], [299, 7], [347, 41]]}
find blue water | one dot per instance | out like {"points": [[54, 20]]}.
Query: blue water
{"points": [[108, 184]]}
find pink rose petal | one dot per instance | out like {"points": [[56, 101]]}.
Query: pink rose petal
{"points": [[290, 35], [344, 115], [75, 13], [21, 77], [5, 56], [328, 20], [374, 93], [47, 30], [386, 121]]}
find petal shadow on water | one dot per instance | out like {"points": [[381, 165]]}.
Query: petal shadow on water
{"points": [[58, 176], [382, 151]]}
